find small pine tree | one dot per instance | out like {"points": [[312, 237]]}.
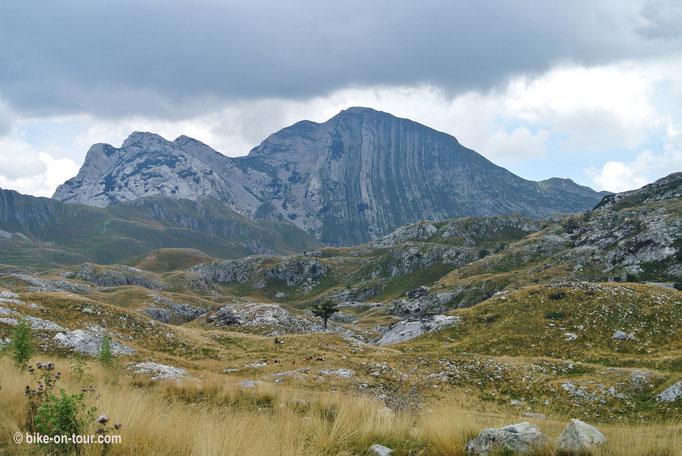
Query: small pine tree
{"points": [[325, 310], [106, 351], [21, 344]]}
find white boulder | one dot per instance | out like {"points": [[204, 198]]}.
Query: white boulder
{"points": [[579, 437]]}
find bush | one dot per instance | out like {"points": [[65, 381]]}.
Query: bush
{"points": [[554, 315], [631, 277], [678, 285], [558, 295], [21, 345], [63, 414]]}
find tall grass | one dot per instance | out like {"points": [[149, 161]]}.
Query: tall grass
{"points": [[213, 417]]}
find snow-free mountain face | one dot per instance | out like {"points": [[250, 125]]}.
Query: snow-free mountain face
{"points": [[349, 180]]}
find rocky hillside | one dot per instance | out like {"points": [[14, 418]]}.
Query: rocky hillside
{"points": [[429, 268], [45, 233], [349, 180]]}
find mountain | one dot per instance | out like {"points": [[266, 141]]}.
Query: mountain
{"points": [[43, 232], [349, 180]]}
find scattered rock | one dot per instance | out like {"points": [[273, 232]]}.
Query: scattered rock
{"points": [[36, 323], [380, 450], [522, 438], [580, 437]]}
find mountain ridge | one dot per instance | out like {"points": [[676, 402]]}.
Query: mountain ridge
{"points": [[348, 180]]}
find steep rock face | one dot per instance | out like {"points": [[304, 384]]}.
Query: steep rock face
{"points": [[363, 173], [349, 180], [146, 165]]}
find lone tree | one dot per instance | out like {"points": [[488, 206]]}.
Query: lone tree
{"points": [[325, 310], [105, 354], [21, 343]]}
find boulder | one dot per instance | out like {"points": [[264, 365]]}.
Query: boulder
{"points": [[380, 450], [158, 371], [619, 335], [672, 394], [88, 342], [580, 437], [522, 438]]}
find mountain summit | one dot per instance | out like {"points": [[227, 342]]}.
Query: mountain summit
{"points": [[348, 180]]}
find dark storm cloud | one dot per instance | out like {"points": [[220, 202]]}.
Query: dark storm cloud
{"points": [[171, 58]]}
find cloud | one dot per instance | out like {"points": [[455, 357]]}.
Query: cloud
{"points": [[179, 59], [618, 176], [520, 144], [28, 170]]}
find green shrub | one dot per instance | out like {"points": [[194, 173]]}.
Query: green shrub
{"points": [[63, 414], [554, 315], [558, 295]]}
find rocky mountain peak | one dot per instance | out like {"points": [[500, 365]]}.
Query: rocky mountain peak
{"points": [[141, 139], [348, 180]]}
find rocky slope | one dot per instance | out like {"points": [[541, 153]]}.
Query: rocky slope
{"points": [[349, 180], [45, 233]]}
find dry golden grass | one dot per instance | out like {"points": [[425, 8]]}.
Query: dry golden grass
{"points": [[210, 417]]}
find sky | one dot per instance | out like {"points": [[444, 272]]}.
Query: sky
{"points": [[588, 89]]}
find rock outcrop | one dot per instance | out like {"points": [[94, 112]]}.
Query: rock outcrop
{"points": [[672, 394], [230, 271], [88, 342], [409, 329], [295, 271], [268, 319], [116, 276]]}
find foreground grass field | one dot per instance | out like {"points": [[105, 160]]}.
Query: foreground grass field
{"points": [[212, 417]]}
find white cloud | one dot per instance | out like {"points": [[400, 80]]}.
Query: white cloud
{"points": [[615, 176], [27, 170], [618, 176]]}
